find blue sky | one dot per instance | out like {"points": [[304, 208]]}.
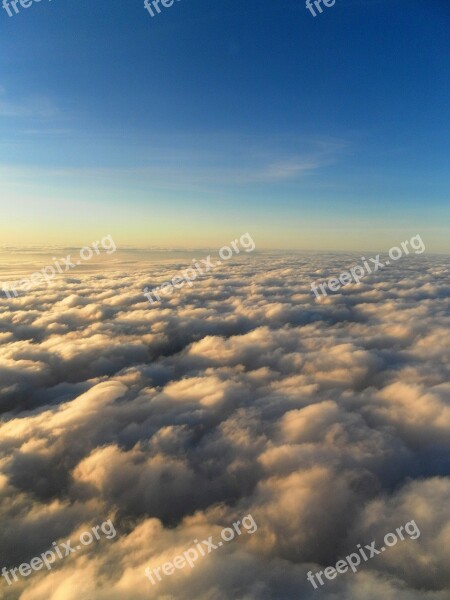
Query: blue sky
{"points": [[215, 118]]}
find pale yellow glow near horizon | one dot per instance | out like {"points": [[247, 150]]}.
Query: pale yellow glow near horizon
{"points": [[26, 222], [133, 237]]}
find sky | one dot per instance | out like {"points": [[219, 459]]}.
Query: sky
{"points": [[216, 118]]}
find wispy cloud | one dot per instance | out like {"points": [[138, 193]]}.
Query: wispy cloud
{"points": [[232, 165], [33, 107]]}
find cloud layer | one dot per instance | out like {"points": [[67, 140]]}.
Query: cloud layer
{"points": [[328, 420]]}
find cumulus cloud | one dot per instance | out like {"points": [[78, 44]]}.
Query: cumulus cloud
{"points": [[326, 420]]}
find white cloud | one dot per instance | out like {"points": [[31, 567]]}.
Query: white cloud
{"points": [[327, 421]]}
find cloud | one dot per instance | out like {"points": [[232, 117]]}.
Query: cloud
{"points": [[35, 107], [185, 164], [327, 421]]}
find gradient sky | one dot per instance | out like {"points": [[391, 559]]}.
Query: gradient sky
{"points": [[216, 118]]}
